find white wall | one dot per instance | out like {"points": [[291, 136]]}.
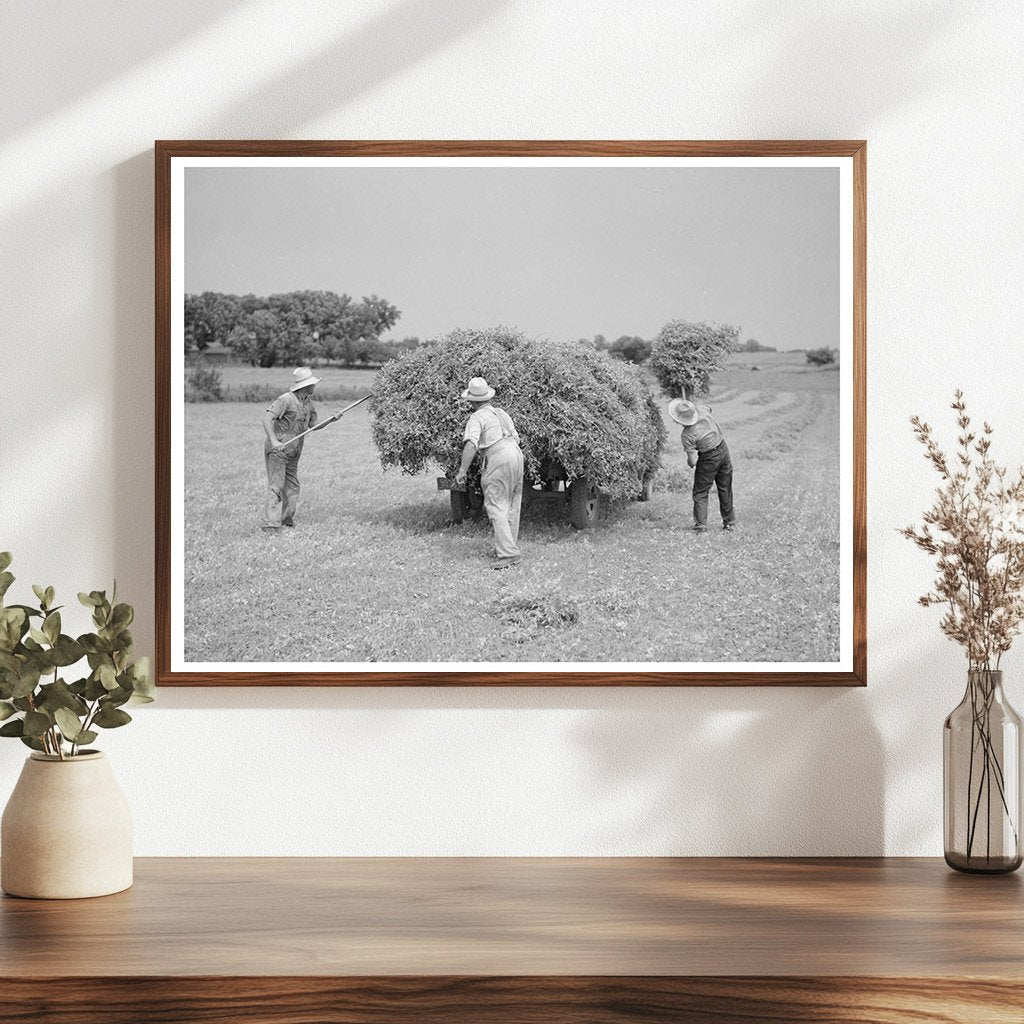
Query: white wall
{"points": [[936, 89]]}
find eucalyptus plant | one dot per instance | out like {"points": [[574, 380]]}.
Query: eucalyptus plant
{"points": [[37, 704]]}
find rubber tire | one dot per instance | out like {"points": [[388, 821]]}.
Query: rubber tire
{"points": [[584, 504], [461, 508]]}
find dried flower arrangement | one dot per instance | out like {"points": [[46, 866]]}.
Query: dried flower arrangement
{"points": [[975, 530]]}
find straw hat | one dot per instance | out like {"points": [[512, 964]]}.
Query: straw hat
{"points": [[303, 379], [478, 391], [683, 412]]}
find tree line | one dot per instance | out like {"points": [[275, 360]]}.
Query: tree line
{"points": [[631, 348], [294, 327]]}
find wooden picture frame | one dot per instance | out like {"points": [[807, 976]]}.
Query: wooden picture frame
{"points": [[849, 157]]}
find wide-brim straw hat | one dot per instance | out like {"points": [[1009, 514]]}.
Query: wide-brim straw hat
{"points": [[478, 391], [683, 412], [303, 378]]}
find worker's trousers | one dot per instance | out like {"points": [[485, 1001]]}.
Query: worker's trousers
{"points": [[282, 486], [502, 481], [713, 467]]}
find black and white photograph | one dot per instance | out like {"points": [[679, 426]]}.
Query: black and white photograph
{"points": [[511, 414]]}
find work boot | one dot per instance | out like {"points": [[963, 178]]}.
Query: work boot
{"points": [[507, 563]]}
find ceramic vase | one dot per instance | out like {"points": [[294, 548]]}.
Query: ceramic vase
{"points": [[66, 831]]}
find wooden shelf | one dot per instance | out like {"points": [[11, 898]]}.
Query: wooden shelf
{"points": [[502, 940]]}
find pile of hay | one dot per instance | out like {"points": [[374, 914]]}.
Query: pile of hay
{"points": [[572, 406]]}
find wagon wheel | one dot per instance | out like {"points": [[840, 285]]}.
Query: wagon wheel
{"points": [[584, 504], [461, 507]]}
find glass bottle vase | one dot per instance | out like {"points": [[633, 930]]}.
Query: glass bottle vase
{"points": [[981, 772]]}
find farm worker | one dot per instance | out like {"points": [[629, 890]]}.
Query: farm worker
{"points": [[491, 433], [287, 416], [708, 455]]}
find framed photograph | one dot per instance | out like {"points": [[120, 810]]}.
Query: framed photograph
{"points": [[493, 413]]}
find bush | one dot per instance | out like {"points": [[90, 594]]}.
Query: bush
{"points": [[821, 356], [203, 384], [630, 349], [572, 406], [684, 355]]}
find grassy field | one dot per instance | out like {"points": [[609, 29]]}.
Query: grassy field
{"points": [[376, 571]]}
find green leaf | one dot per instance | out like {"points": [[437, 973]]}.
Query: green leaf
{"points": [[13, 624], [66, 651], [142, 681], [50, 594], [59, 695], [87, 736], [51, 626], [31, 741], [107, 718], [27, 681], [107, 676], [40, 592], [38, 635], [36, 723], [69, 724], [6, 710], [94, 644], [115, 698], [89, 600], [122, 616], [5, 559], [13, 728], [28, 610], [94, 689], [6, 579]]}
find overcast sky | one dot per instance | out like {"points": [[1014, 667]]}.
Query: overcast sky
{"points": [[557, 252]]}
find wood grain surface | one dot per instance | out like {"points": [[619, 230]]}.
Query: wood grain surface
{"points": [[521, 939], [166, 150]]}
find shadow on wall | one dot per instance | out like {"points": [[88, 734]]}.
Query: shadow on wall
{"points": [[394, 40], [813, 60], [739, 772], [64, 32]]}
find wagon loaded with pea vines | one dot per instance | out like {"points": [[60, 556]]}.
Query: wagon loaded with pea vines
{"points": [[588, 425]]}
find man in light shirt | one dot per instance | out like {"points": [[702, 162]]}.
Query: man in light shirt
{"points": [[491, 433], [288, 416], [707, 455]]}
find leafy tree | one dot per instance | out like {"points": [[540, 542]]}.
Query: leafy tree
{"points": [[600, 343], [256, 338], [685, 355], [630, 349], [753, 345], [209, 318], [821, 356], [291, 327]]}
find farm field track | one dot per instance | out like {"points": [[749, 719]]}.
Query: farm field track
{"points": [[376, 572]]}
